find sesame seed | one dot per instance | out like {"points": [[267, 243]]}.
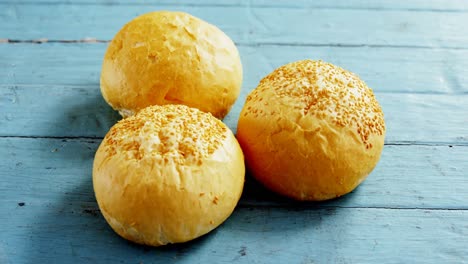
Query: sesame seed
{"points": [[323, 90], [170, 132]]}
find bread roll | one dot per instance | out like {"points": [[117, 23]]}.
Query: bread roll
{"points": [[171, 58], [168, 174], [311, 131]]}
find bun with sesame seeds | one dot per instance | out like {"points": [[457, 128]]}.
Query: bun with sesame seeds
{"points": [[168, 174], [169, 57], [311, 131]]}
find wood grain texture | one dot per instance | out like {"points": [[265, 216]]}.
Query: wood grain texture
{"points": [[403, 70], [60, 231], [49, 214], [430, 177], [54, 111], [61, 83], [248, 25], [65, 111], [413, 5]]}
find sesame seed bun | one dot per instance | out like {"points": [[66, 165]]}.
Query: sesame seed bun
{"points": [[171, 58], [311, 131], [168, 174]]}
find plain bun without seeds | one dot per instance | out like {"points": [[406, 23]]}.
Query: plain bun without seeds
{"points": [[168, 174], [311, 131], [167, 57]]}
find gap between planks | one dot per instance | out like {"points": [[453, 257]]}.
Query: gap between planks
{"points": [[242, 44], [93, 86], [284, 203], [298, 206], [96, 139], [289, 205]]}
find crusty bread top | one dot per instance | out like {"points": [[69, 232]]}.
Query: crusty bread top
{"points": [[325, 91], [174, 132], [167, 57]]}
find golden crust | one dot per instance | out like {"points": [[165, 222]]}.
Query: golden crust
{"points": [[171, 58], [311, 130], [168, 174]]}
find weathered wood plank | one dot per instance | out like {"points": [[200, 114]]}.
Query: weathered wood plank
{"points": [[54, 111], [60, 221], [431, 177], [403, 70], [413, 5], [59, 231], [64, 111], [250, 25]]}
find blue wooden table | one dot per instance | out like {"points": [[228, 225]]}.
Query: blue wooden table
{"points": [[413, 208]]}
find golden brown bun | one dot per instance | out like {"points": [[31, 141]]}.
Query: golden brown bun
{"points": [[171, 58], [311, 131], [168, 174]]}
